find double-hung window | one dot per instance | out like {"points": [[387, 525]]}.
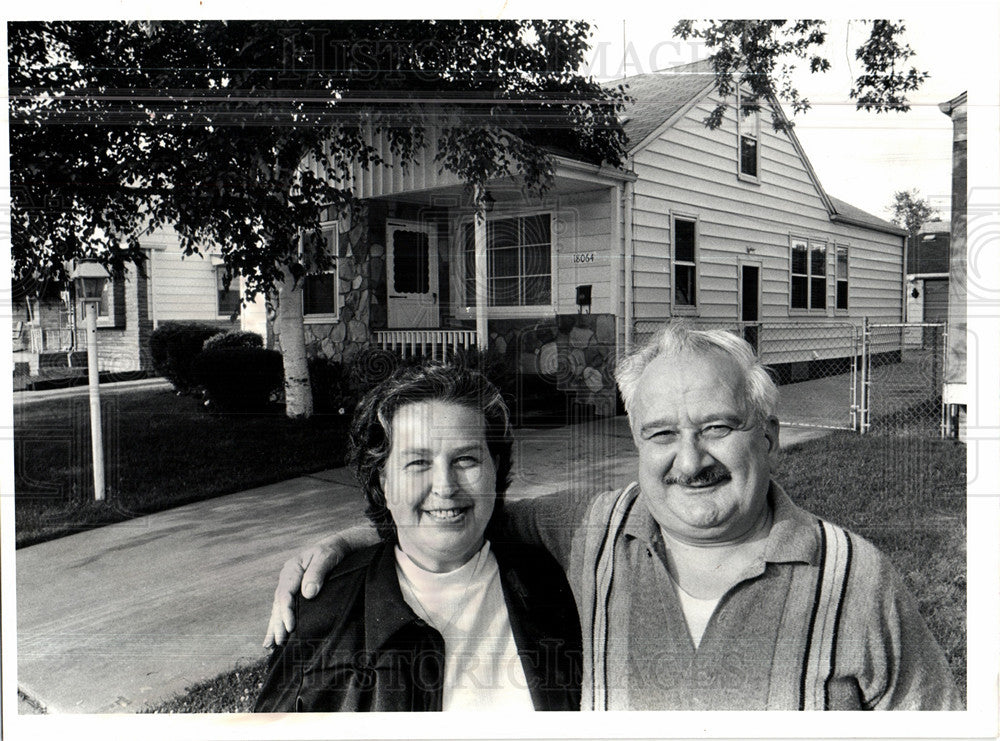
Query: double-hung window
{"points": [[320, 286], [808, 275], [685, 262], [748, 136], [518, 261], [227, 299], [841, 277]]}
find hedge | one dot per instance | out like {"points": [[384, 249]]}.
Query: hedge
{"points": [[173, 347], [239, 379]]}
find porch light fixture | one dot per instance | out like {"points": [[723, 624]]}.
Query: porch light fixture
{"points": [[489, 202], [89, 277]]}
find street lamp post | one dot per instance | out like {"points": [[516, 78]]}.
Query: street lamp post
{"points": [[89, 277]]}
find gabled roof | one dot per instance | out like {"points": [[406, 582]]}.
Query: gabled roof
{"points": [[661, 98], [658, 96], [849, 214]]}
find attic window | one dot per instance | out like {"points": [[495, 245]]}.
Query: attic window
{"points": [[748, 135]]}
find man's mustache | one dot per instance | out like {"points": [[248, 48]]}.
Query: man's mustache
{"points": [[706, 477]]}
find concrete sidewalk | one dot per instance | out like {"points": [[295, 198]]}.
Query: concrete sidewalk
{"points": [[107, 389], [133, 613]]}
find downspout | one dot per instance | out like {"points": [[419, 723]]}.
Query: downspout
{"points": [[629, 260], [615, 263]]}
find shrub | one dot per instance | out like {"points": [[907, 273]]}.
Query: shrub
{"points": [[370, 366], [497, 368], [173, 346], [239, 379], [339, 386], [331, 391], [233, 338]]}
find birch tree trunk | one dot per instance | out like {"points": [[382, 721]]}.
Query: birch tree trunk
{"points": [[291, 334]]}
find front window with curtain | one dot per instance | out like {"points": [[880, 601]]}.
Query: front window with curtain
{"points": [[518, 261], [228, 299], [105, 309]]}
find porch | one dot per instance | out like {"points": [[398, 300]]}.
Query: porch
{"points": [[37, 348], [414, 270]]}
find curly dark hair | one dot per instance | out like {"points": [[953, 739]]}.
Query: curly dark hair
{"points": [[371, 430]]}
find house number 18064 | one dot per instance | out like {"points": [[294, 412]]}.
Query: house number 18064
{"points": [[583, 257]]}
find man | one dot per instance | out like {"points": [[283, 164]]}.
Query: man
{"points": [[702, 586]]}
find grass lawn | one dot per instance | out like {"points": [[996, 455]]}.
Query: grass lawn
{"points": [[161, 451], [906, 495]]}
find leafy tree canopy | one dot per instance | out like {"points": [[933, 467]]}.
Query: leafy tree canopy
{"points": [[118, 128], [911, 212], [762, 54]]}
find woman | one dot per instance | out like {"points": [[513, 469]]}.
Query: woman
{"points": [[437, 616]]}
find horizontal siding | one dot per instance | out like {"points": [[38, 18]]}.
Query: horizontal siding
{"points": [[183, 288], [691, 170], [584, 228]]}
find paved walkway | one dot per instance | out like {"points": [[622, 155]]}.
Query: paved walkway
{"points": [[133, 613], [118, 387]]}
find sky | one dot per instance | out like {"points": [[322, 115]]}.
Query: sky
{"points": [[859, 157]]}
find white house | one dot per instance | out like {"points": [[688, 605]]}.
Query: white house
{"points": [[729, 227]]}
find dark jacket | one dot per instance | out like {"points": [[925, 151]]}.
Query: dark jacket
{"points": [[358, 646]]}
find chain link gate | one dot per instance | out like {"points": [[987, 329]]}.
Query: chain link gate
{"points": [[902, 374]]}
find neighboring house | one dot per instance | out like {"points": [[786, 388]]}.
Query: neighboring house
{"points": [[50, 329], [726, 227], [927, 266]]}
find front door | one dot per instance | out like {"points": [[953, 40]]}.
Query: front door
{"points": [[411, 268], [750, 302]]}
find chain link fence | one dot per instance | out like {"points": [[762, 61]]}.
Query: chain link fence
{"points": [[903, 373]]}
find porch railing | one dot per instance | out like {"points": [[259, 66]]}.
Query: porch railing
{"points": [[45, 339], [427, 343]]}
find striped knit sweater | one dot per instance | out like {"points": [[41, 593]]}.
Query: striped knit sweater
{"points": [[824, 622]]}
